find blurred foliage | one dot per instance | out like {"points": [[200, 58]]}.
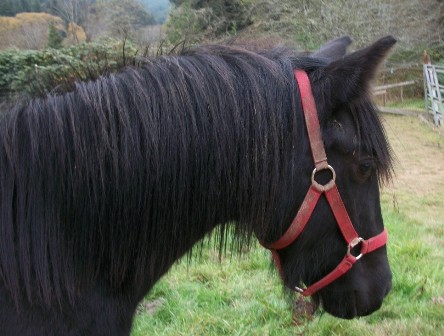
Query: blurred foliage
{"points": [[198, 20], [75, 34], [117, 18], [417, 24], [36, 73], [32, 30], [69, 10], [98, 18], [127, 15], [306, 23], [8, 23], [12, 7], [158, 8], [54, 38]]}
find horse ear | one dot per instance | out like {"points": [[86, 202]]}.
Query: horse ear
{"points": [[348, 79], [333, 49]]}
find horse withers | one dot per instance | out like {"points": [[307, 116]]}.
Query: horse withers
{"points": [[102, 189]]}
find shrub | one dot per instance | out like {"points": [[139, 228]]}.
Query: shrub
{"points": [[36, 73]]}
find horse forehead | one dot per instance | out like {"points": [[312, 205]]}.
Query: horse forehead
{"points": [[341, 133]]}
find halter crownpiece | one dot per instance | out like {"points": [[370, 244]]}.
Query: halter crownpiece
{"points": [[331, 192]]}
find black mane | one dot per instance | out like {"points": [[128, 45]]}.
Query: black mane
{"points": [[168, 149]]}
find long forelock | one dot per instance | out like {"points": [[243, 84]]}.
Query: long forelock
{"points": [[371, 136]]}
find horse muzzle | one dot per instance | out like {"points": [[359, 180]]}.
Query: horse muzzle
{"points": [[365, 298]]}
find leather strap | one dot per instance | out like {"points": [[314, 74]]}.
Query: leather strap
{"points": [[311, 120], [341, 215], [344, 266], [299, 222]]}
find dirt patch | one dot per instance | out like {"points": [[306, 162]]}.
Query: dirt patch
{"points": [[438, 300], [303, 310], [150, 307]]}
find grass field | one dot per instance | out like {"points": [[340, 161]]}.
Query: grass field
{"points": [[410, 104], [239, 295]]}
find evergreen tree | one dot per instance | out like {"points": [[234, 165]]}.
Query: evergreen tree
{"points": [[54, 38], [7, 8]]}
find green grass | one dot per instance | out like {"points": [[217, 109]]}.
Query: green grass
{"points": [[234, 296], [409, 104], [239, 295]]}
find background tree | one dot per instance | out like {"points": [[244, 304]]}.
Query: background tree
{"points": [[196, 20], [12, 7], [416, 23], [70, 10], [54, 37], [117, 18]]}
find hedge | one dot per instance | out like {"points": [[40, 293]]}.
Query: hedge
{"points": [[38, 72]]}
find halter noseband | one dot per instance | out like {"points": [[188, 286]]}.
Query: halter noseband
{"points": [[331, 192]]}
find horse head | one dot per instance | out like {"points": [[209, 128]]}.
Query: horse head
{"points": [[335, 244]]}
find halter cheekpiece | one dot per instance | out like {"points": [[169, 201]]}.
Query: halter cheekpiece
{"points": [[331, 192]]}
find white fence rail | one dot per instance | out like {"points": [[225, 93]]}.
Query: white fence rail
{"points": [[382, 90], [434, 91]]}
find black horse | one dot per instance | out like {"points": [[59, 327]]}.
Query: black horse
{"points": [[102, 189]]}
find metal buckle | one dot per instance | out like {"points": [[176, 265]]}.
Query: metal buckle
{"points": [[353, 243], [330, 184], [299, 289]]}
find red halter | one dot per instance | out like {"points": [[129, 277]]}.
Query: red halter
{"points": [[331, 192]]}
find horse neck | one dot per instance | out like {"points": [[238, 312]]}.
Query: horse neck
{"points": [[222, 162]]}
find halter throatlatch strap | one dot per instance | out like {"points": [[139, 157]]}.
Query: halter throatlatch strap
{"points": [[331, 192]]}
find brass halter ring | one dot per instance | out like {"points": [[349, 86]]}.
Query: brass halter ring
{"points": [[330, 184], [352, 244]]}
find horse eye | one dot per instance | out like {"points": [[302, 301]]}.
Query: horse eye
{"points": [[365, 169]]}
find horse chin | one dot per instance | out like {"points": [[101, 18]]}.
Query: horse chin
{"points": [[351, 304]]}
